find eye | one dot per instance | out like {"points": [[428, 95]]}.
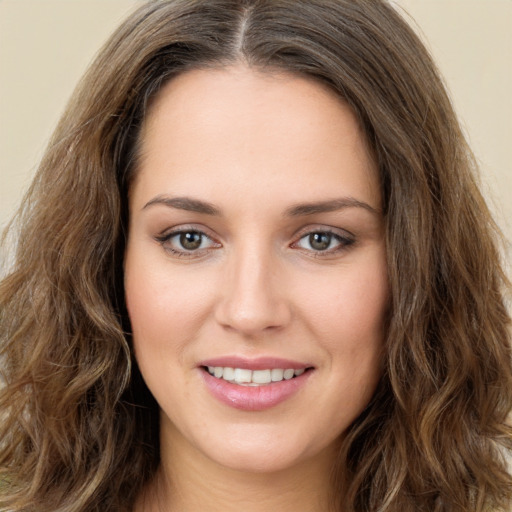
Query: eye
{"points": [[186, 242], [326, 242], [190, 240]]}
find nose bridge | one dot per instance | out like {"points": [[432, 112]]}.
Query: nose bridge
{"points": [[253, 298]]}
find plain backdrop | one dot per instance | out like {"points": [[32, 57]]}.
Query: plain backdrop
{"points": [[45, 45]]}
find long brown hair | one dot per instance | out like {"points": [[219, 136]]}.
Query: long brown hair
{"points": [[79, 430]]}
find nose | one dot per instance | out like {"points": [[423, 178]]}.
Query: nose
{"points": [[254, 297]]}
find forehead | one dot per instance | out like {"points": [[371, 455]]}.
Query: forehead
{"points": [[253, 131]]}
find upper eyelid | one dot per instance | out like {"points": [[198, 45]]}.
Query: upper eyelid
{"points": [[185, 228], [343, 233]]}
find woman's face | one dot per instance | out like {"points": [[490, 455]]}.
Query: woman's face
{"points": [[255, 252]]}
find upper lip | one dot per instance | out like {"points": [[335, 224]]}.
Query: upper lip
{"points": [[259, 363]]}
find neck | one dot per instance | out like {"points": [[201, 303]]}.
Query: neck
{"points": [[187, 480]]}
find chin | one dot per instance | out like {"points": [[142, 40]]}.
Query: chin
{"points": [[260, 450]]}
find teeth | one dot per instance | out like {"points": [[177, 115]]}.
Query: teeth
{"points": [[288, 374], [228, 374], [242, 376], [246, 377], [261, 377], [276, 374]]}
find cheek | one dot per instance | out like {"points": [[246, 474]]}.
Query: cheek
{"points": [[349, 309], [348, 314], [163, 305]]}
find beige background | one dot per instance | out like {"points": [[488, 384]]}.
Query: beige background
{"points": [[45, 45]]}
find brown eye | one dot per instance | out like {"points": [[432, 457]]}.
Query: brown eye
{"points": [[191, 240], [324, 242], [320, 241], [187, 243]]}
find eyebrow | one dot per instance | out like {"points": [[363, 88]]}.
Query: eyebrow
{"points": [[184, 203], [298, 210], [332, 205]]}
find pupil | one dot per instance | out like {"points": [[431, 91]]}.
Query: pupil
{"points": [[320, 241], [190, 240]]}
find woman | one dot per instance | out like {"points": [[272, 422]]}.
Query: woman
{"points": [[254, 272]]}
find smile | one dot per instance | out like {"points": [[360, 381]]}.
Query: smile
{"points": [[255, 384], [246, 377]]}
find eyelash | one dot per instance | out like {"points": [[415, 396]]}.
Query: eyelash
{"points": [[166, 238], [344, 242]]}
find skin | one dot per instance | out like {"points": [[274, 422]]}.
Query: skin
{"points": [[254, 145]]}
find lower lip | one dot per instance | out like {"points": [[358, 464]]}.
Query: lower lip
{"points": [[254, 398]]}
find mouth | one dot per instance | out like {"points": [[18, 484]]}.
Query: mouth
{"points": [[254, 384], [260, 377]]}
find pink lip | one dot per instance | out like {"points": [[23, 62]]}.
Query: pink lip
{"points": [[260, 363], [253, 398]]}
